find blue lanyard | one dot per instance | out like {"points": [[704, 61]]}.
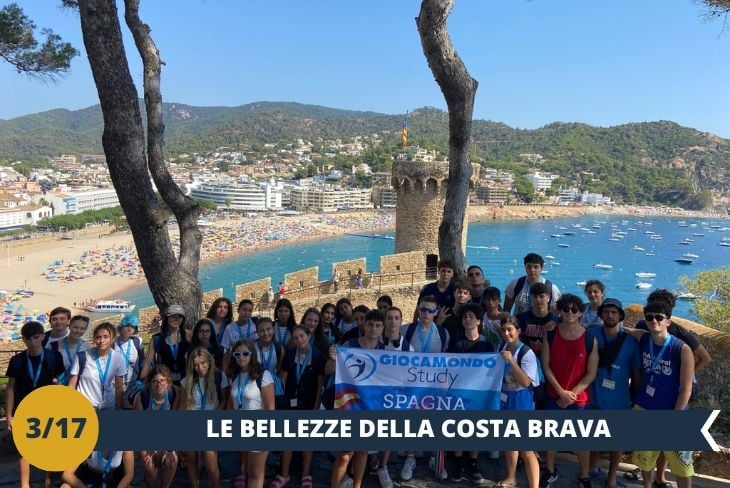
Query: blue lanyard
{"points": [[68, 351], [655, 359], [203, 398], [266, 359], [302, 366], [126, 355], [282, 338], [248, 330], [241, 389], [165, 402], [426, 342], [219, 334], [173, 347], [102, 376], [107, 466], [35, 375]]}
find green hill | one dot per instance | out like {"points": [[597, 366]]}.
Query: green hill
{"points": [[655, 162]]}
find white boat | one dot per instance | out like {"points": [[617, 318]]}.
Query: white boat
{"points": [[656, 237], [643, 285], [557, 236], [549, 257], [644, 275], [637, 248], [690, 255], [698, 234], [650, 254], [111, 306], [724, 243], [563, 245], [602, 266], [555, 263], [687, 296], [684, 260], [685, 242], [580, 283]]}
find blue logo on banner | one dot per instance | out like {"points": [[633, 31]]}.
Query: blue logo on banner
{"points": [[361, 366]]}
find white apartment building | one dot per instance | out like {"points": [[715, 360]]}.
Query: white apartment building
{"points": [[330, 199], [594, 199], [240, 194], [75, 202], [17, 217], [540, 181]]}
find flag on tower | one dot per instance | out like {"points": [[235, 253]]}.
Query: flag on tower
{"points": [[404, 132]]}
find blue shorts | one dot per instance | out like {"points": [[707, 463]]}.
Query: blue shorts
{"points": [[518, 400], [552, 404]]}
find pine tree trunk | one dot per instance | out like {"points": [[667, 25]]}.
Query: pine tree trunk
{"points": [[459, 89], [170, 280]]}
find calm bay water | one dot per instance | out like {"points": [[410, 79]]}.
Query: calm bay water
{"points": [[573, 263]]}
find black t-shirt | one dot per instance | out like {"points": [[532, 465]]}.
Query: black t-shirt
{"points": [[677, 331], [306, 390], [533, 327], [18, 369], [445, 299]]}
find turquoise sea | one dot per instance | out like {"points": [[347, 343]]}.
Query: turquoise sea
{"points": [[573, 261]]}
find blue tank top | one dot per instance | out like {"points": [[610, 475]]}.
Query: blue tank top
{"points": [[660, 383]]}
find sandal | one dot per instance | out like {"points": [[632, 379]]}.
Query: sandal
{"points": [[502, 484], [240, 481], [595, 473], [633, 475], [279, 482], [306, 481]]}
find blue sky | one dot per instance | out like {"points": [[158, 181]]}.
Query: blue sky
{"points": [[539, 61]]}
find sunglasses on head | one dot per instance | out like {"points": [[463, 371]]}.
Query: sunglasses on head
{"points": [[427, 309], [570, 309], [650, 317], [241, 354]]}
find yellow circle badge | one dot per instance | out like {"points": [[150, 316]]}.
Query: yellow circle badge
{"points": [[55, 428]]}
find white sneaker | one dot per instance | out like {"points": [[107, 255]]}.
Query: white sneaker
{"points": [[408, 466], [346, 482], [384, 478]]}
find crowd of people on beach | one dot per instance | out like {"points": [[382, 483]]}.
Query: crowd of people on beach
{"points": [[561, 354]]}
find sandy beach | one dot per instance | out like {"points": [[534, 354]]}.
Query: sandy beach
{"points": [[96, 264]]}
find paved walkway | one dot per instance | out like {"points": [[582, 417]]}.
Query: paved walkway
{"points": [[423, 476]]}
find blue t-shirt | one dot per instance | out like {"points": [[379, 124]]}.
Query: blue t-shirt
{"points": [[610, 389], [660, 385]]}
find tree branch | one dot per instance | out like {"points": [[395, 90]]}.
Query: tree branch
{"points": [[185, 209]]}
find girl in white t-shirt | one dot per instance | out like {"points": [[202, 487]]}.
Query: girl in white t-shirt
{"points": [[101, 376], [204, 388], [252, 389]]}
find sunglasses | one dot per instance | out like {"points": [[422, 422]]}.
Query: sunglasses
{"points": [[570, 309], [650, 317], [241, 354], [474, 274], [427, 309]]}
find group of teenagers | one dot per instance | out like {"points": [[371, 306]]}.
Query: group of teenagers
{"points": [[559, 353]]}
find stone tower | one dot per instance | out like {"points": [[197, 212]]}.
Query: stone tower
{"points": [[421, 189]]}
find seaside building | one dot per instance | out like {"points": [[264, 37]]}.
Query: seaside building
{"points": [[594, 199], [330, 199], [385, 197], [566, 196], [540, 181], [17, 217], [75, 202], [240, 194], [493, 194]]}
